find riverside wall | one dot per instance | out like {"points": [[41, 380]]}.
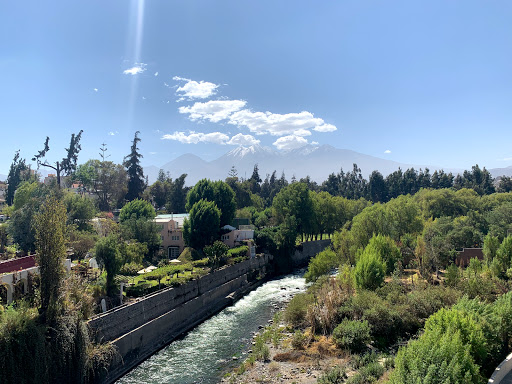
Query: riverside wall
{"points": [[139, 329], [308, 250]]}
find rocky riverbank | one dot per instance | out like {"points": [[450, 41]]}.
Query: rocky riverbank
{"points": [[276, 358]]}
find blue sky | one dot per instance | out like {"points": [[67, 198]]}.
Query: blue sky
{"points": [[421, 82]]}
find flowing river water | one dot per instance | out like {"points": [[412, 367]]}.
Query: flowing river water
{"points": [[205, 353]]}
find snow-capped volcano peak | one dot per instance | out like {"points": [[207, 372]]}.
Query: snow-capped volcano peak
{"points": [[243, 151]]}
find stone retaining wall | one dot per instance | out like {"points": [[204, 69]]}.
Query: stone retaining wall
{"points": [[118, 321], [140, 329], [308, 250]]}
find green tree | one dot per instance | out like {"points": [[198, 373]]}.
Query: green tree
{"points": [[106, 179], [491, 245], [216, 253], [505, 184], [4, 237], [65, 167], [136, 182], [218, 192], [377, 188], [15, 177], [80, 210], [50, 224], [503, 258], [370, 270], [386, 249], [294, 200], [81, 242], [177, 195], [159, 191], [321, 264], [108, 256], [202, 226], [27, 201], [138, 209], [25, 193], [435, 358], [352, 335], [145, 231], [255, 180], [477, 179], [132, 251]]}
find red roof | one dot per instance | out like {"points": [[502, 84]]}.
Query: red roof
{"points": [[17, 264]]}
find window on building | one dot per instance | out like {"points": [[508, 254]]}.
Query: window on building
{"points": [[175, 237]]}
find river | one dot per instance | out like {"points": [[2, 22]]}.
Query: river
{"points": [[205, 353]]}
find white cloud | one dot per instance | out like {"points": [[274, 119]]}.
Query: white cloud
{"points": [[143, 97], [95, 89], [302, 132], [111, 133], [241, 139], [213, 110], [387, 151], [294, 126], [199, 137], [278, 125], [325, 128], [156, 74], [135, 70], [290, 142], [195, 90], [152, 153]]}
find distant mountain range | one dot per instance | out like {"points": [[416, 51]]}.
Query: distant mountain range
{"points": [[316, 161], [496, 172]]}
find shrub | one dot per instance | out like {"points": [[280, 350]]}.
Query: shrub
{"points": [[238, 251], [384, 318], [189, 254], [435, 357], [299, 340], [452, 276], [295, 312], [367, 374], [130, 269], [201, 263], [335, 375], [370, 270], [260, 350], [387, 249], [321, 264], [352, 335]]}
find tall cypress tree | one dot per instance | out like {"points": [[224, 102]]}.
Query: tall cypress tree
{"points": [[136, 183]]}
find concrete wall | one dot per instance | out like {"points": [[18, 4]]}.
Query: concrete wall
{"points": [[140, 343], [118, 321], [140, 329], [308, 250]]}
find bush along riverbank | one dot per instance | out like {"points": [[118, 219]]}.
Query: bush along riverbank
{"points": [[401, 332]]}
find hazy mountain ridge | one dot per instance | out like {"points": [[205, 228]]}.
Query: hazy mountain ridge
{"points": [[497, 172], [311, 160]]}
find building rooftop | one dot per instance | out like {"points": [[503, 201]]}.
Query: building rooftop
{"points": [[177, 217]]}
